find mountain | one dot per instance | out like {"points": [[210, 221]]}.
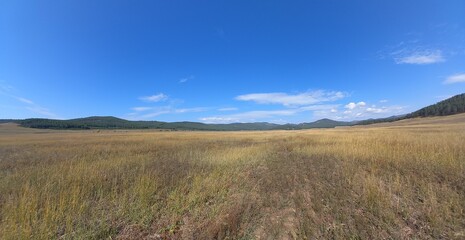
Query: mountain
{"points": [[449, 106], [96, 122], [322, 123], [8, 120], [118, 123], [88, 123], [380, 120], [325, 123], [453, 105]]}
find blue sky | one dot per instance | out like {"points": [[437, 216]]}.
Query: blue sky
{"points": [[228, 61]]}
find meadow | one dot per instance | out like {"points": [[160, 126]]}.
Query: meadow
{"points": [[402, 180]]}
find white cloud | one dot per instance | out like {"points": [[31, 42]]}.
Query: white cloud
{"points": [[268, 115], [186, 110], [376, 110], [185, 79], [150, 112], [457, 78], [383, 101], [318, 107], [5, 87], [217, 120], [154, 98], [264, 114], [421, 57], [251, 116], [285, 99], [413, 52], [42, 111], [24, 100], [141, 109], [27, 103], [361, 110], [228, 109], [353, 105]]}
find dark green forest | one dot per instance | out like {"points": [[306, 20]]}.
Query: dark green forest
{"points": [[117, 123], [449, 106]]}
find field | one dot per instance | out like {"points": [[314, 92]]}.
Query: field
{"points": [[399, 180]]}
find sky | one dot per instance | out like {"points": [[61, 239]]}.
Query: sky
{"points": [[229, 61]]}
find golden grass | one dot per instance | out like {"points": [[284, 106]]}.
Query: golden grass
{"points": [[389, 181]]}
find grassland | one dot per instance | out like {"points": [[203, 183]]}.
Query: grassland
{"points": [[400, 180]]}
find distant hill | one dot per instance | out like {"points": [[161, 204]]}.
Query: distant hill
{"points": [[118, 123], [380, 120], [449, 106], [322, 123], [9, 120], [453, 105], [325, 123], [88, 123]]}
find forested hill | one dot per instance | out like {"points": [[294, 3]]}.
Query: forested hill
{"points": [[449, 106], [88, 123], [118, 123]]}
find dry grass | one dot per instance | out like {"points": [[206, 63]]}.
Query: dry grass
{"points": [[389, 181]]}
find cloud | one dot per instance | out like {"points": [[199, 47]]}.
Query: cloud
{"points": [[355, 105], [154, 98], [141, 109], [285, 99], [42, 111], [27, 103], [217, 120], [376, 110], [359, 111], [186, 110], [24, 100], [421, 57], [228, 109], [268, 115], [383, 101], [35, 108], [251, 116], [413, 52], [318, 107], [150, 112], [5, 87], [183, 80], [457, 78]]}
